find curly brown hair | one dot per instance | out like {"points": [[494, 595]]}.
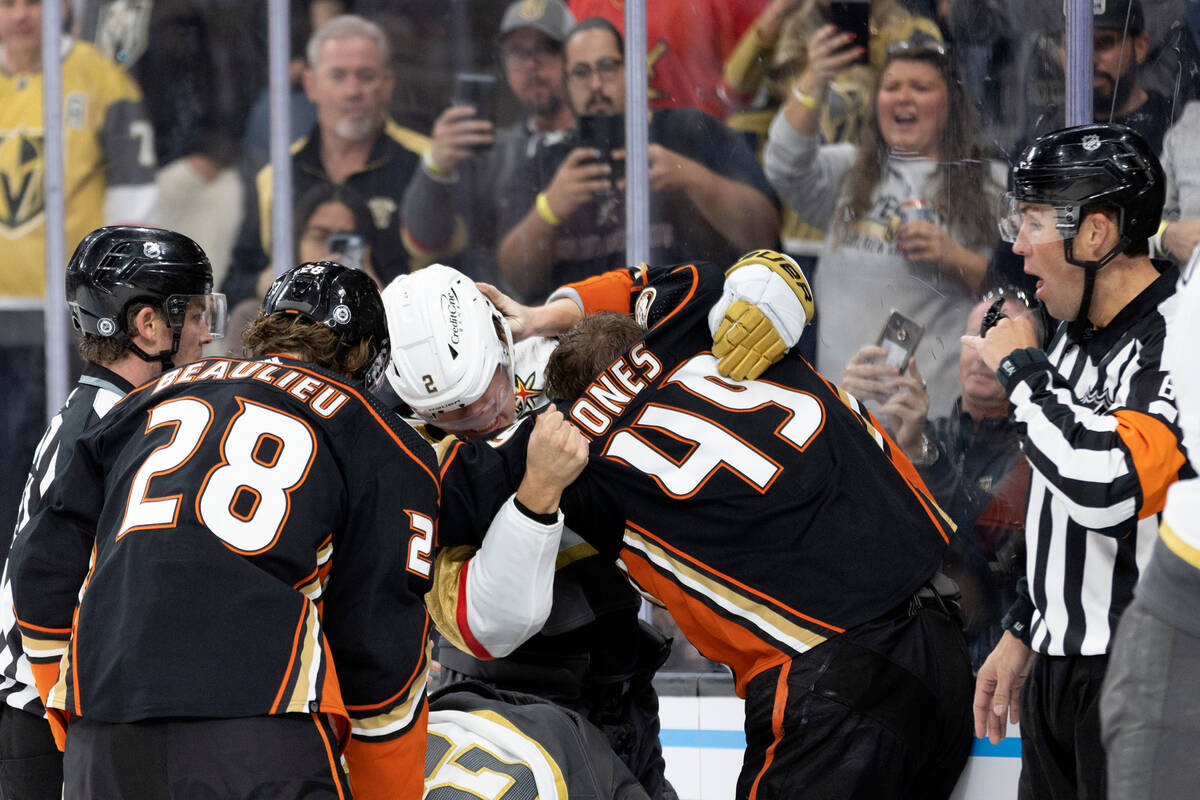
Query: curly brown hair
{"points": [[309, 341]]}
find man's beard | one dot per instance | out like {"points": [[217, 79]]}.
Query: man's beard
{"points": [[548, 108], [356, 128], [1106, 104]]}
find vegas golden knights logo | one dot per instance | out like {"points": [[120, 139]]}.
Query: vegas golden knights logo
{"points": [[21, 176]]}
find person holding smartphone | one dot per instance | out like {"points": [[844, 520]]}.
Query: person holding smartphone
{"points": [[907, 211], [971, 461], [708, 193], [471, 162]]}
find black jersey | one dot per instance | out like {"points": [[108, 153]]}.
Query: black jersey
{"points": [[767, 515], [251, 538]]}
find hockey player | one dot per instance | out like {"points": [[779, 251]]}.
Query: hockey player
{"points": [[491, 744], [455, 367], [1101, 436], [139, 298], [784, 531], [1148, 705], [248, 606]]}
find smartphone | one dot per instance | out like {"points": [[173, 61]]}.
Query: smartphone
{"points": [[899, 339], [346, 248], [478, 90], [851, 16], [606, 133]]}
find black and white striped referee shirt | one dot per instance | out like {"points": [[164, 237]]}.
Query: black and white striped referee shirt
{"points": [[1102, 438], [98, 391]]}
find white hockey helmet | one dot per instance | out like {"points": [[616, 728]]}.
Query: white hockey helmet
{"points": [[448, 342]]}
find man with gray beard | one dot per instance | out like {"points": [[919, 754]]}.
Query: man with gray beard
{"points": [[353, 143]]}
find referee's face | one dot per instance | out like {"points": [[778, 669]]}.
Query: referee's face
{"points": [[1060, 284]]}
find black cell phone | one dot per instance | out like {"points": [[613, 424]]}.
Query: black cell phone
{"points": [[899, 338], [852, 16], [606, 133], [478, 90]]}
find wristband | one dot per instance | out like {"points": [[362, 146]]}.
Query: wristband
{"points": [[433, 170], [544, 210], [808, 101]]}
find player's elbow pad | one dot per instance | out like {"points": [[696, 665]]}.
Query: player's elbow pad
{"points": [[510, 582]]}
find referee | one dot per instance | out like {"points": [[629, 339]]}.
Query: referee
{"points": [[1101, 434]]}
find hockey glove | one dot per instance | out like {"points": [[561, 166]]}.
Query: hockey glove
{"points": [[763, 310]]}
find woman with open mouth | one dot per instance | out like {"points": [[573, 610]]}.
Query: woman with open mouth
{"points": [[909, 210]]}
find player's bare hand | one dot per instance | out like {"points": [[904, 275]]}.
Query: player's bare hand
{"points": [[456, 132], [578, 179], [868, 377], [556, 454], [1009, 334], [998, 687]]}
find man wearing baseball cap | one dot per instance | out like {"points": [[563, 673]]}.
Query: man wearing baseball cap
{"points": [[458, 170], [1120, 45]]}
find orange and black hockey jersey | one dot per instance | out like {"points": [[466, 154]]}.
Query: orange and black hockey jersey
{"points": [[767, 515], [251, 538]]}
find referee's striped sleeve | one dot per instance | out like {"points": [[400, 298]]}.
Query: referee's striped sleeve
{"points": [[1108, 468]]}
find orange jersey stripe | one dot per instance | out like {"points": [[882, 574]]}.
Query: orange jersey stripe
{"points": [[392, 768], [608, 291], [777, 712], [713, 635], [1156, 456], [335, 766]]}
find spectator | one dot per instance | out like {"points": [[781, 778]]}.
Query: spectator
{"points": [[353, 143], [109, 163], [1120, 49], [278, 618], [1148, 706], [708, 192], [688, 42], [971, 460], [459, 176], [199, 66], [766, 63], [325, 211], [112, 277], [909, 211], [1181, 163], [1100, 433]]}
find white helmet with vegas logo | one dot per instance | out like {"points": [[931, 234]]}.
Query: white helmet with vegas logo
{"points": [[452, 360]]}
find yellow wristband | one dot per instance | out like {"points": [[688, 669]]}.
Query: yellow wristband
{"points": [[805, 100], [544, 210]]}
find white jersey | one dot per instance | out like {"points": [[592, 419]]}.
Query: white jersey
{"points": [[529, 372]]}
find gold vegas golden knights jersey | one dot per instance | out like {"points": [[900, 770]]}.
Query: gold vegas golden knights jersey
{"points": [[109, 161], [767, 515], [251, 538]]}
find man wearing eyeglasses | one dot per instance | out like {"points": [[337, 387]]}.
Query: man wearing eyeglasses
{"points": [[708, 192], [471, 162]]}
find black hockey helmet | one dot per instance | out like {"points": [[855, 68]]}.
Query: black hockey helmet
{"points": [[1087, 165], [342, 299], [1084, 166], [116, 267]]}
